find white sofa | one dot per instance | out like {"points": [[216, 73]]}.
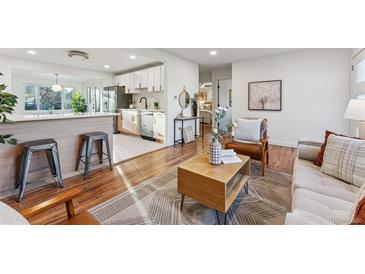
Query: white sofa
{"points": [[318, 198]]}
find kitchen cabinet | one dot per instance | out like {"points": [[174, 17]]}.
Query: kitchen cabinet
{"points": [[162, 78], [130, 122], [118, 80], [157, 78], [144, 78], [159, 121], [131, 82], [150, 80], [140, 80], [137, 79]]}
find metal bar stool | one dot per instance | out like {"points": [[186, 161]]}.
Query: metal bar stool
{"points": [[89, 139], [50, 147]]}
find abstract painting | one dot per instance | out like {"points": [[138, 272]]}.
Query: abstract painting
{"points": [[264, 95]]}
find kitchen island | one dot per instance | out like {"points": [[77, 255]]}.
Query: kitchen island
{"points": [[64, 128]]}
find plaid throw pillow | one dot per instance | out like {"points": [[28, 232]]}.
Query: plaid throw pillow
{"points": [[344, 158]]}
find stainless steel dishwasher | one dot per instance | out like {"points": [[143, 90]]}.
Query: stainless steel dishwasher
{"points": [[147, 125]]}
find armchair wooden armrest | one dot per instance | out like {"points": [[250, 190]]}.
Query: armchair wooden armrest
{"points": [[226, 138], [264, 140], [65, 197]]}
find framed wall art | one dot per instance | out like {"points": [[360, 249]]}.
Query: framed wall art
{"points": [[265, 95]]}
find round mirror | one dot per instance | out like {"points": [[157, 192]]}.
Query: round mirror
{"points": [[184, 99]]}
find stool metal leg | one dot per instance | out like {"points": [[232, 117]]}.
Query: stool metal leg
{"points": [[51, 162], [21, 172], [100, 150], [108, 151], [88, 154], [56, 161], [24, 176], [80, 154]]}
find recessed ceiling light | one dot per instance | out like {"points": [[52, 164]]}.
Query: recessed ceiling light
{"points": [[132, 57], [106, 66], [32, 52], [213, 52]]}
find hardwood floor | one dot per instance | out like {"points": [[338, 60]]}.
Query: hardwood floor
{"points": [[105, 184]]}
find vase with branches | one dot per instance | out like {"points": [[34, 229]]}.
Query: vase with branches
{"points": [[7, 104], [215, 148]]}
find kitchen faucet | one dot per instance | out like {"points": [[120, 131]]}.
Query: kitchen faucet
{"points": [[145, 101]]}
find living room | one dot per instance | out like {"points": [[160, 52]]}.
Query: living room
{"points": [[122, 152]]}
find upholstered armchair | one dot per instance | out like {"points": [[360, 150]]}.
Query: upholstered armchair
{"points": [[252, 144]]}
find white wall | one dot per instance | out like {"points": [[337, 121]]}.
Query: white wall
{"points": [[9, 64], [315, 92]]}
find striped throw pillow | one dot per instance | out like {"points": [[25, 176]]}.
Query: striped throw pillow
{"points": [[344, 158], [189, 135]]}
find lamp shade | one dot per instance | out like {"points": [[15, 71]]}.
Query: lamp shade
{"points": [[355, 110]]}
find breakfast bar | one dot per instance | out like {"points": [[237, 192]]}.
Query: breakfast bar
{"points": [[64, 128]]}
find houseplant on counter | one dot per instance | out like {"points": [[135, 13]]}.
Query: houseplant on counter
{"points": [[215, 148], [7, 104], [78, 103]]}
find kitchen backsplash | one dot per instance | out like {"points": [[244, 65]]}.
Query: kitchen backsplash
{"points": [[151, 98]]}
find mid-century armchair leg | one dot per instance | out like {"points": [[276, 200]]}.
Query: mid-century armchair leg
{"points": [[263, 166]]}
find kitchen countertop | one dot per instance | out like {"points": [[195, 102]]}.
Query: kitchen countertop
{"points": [[58, 116], [141, 109]]}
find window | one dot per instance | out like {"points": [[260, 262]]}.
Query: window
{"points": [[40, 97], [48, 99], [361, 71], [67, 93], [30, 97]]}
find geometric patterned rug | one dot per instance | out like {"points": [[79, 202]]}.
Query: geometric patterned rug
{"points": [[156, 202]]}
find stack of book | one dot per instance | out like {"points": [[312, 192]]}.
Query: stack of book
{"points": [[230, 157]]}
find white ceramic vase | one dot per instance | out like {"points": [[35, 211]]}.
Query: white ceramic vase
{"points": [[215, 153]]}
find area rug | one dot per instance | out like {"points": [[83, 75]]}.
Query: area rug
{"points": [[156, 202]]}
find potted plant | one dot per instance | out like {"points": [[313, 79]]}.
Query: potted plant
{"points": [[78, 103], [7, 104], [194, 104]]}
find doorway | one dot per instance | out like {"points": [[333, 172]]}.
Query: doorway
{"points": [[224, 99]]}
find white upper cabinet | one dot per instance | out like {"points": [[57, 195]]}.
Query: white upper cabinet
{"points": [[144, 78], [118, 80], [157, 78], [151, 80], [131, 88], [126, 82], [137, 79], [162, 77]]}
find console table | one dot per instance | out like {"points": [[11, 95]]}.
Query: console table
{"points": [[182, 119]]}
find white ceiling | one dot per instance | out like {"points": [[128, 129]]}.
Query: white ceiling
{"points": [[117, 59], [224, 55]]}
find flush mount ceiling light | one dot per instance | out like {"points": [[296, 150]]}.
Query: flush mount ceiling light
{"points": [[56, 87], [106, 66], [132, 57], [78, 55], [213, 52], [32, 52]]}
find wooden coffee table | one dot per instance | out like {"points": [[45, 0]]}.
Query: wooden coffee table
{"points": [[214, 186]]}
